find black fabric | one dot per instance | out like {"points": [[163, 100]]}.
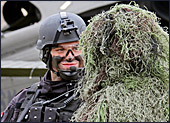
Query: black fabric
{"points": [[51, 89], [11, 112], [28, 106], [35, 114], [18, 105], [67, 112], [51, 115], [15, 115], [65, 116], [48, 90], [30, 92]]}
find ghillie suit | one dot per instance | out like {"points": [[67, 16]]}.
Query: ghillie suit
{"points": [[126, 56]]}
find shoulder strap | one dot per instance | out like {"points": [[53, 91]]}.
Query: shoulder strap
{"points": [[31, 91]]}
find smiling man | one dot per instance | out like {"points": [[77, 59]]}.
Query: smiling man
{"points": [[53, 98]]}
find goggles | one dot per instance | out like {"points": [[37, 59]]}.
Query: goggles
{"points": [[64, 50]]}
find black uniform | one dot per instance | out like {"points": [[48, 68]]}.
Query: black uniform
{"points": [[58, 110]]}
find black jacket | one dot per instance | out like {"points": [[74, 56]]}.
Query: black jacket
{"points": [[48, 90]]}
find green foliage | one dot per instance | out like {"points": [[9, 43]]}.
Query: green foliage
{"points": [[126, 55]]}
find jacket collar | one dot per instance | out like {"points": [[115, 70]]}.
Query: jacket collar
{"points": [[55, 87]]}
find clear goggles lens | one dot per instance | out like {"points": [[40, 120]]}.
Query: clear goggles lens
{"points": [[62, 50]]}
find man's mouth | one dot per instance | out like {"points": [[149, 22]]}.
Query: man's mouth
{"points": [[68, 65]]}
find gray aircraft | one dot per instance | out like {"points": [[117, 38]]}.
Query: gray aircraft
{"points": [[20, 21]]}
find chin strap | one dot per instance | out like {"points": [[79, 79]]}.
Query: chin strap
{"points": [[72, 74]]}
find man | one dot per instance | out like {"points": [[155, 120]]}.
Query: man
{"points": [[53, 98]]}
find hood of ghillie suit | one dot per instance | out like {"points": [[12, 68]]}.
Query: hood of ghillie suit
{"points": [[126, 56]]}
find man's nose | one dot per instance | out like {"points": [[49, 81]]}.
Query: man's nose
{"points": [[70, 56]]}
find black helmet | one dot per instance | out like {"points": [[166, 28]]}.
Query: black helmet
{"points": [[59, 28]]}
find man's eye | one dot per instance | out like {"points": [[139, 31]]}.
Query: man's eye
{"points": [[75, 48], [60, 50]]}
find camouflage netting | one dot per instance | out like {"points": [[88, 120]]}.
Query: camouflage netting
{"points": [[126, 56]]}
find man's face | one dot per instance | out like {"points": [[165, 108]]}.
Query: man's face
{"points": [[69, 60]]}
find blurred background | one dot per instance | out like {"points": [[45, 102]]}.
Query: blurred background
{"points": [[20, 21]]}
